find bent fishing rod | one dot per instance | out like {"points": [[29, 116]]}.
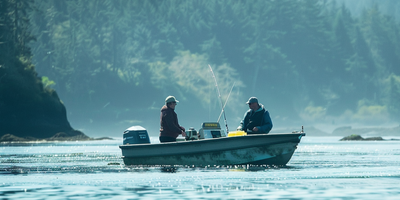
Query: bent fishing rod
{"points": [[220, 99]]}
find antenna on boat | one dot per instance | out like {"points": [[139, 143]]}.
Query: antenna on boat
{"points": [[226, 101], [220, 99]]}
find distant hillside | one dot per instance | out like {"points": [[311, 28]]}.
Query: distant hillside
{"points": [[387, 7], [114, 62], [28, 109]]}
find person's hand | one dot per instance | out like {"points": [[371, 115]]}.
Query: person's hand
{"points": [[183, 134], [183, 129], [255, 129]]}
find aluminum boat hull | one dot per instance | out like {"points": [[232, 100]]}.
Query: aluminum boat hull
{"points": [[257, 149]]}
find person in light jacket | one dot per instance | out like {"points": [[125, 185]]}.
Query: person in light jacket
{"points": [[170, 128], [256, 119]]}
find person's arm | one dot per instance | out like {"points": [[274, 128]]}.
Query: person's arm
{"points": [[182, 129], [240, 127], [267, 124]]}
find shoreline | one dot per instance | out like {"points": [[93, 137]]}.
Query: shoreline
{"points": [[347, 131], [9, 138]]}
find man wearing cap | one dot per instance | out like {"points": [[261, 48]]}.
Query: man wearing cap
{"points": [[256, 119], [170, 128]]}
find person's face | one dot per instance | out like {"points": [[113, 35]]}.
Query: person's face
{"points": [[253, 106], [172, 105]]}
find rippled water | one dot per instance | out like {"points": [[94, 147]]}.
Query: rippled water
{"points": [[321, 168]]}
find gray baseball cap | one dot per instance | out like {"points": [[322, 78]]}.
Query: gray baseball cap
{"points": [[252, 100], [171, 99]]}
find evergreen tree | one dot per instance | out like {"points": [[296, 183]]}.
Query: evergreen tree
{"points": [[311, 48], [24, 101]]}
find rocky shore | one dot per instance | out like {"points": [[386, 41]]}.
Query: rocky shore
{"points": [[62, 136], [29, 109], [359, 138], [373, 131]]}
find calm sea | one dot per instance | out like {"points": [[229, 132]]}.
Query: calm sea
{"points": [[321, 168]]}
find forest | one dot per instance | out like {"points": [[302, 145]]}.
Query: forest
{"points": [[113, 62], [29, 111]]}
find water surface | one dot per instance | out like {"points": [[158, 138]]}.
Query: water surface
{"points": [[321, 168]]}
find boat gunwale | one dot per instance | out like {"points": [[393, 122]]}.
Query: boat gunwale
{"points": [[180, 143], [292, 139]]}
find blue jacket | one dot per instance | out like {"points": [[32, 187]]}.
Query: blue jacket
{"points": [[264, 123]]}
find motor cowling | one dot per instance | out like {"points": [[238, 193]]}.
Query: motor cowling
{"points": [[191, 134], [136, 135]]}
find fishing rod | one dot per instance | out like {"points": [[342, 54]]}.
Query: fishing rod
{"points": [[226, 102], [220, 99]]}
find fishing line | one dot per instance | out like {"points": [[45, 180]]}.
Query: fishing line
{"points": [[220, 99], [226, 101]]}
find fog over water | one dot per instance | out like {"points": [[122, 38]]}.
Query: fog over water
{"points": [[317, 64]]}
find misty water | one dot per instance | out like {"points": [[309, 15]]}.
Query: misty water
{"points": [[321, 168]]}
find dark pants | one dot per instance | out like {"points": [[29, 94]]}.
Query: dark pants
{"points": [[167, 139]]}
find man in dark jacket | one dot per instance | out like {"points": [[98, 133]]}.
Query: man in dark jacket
{"points": [[170, 128], [256, 119]]}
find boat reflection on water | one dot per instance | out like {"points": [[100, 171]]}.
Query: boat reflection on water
{"points": [[231, 168]]}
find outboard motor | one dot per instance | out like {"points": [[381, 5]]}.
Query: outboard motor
{"points": [[136, 135]]}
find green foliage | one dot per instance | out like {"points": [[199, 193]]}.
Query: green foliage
{"points": [[313, 113], [371, 113], [23, 99], [47, 82], [187, 73], [276, 50]]}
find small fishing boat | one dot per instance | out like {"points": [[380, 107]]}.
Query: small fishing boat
{"points": [[209, 146]]}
